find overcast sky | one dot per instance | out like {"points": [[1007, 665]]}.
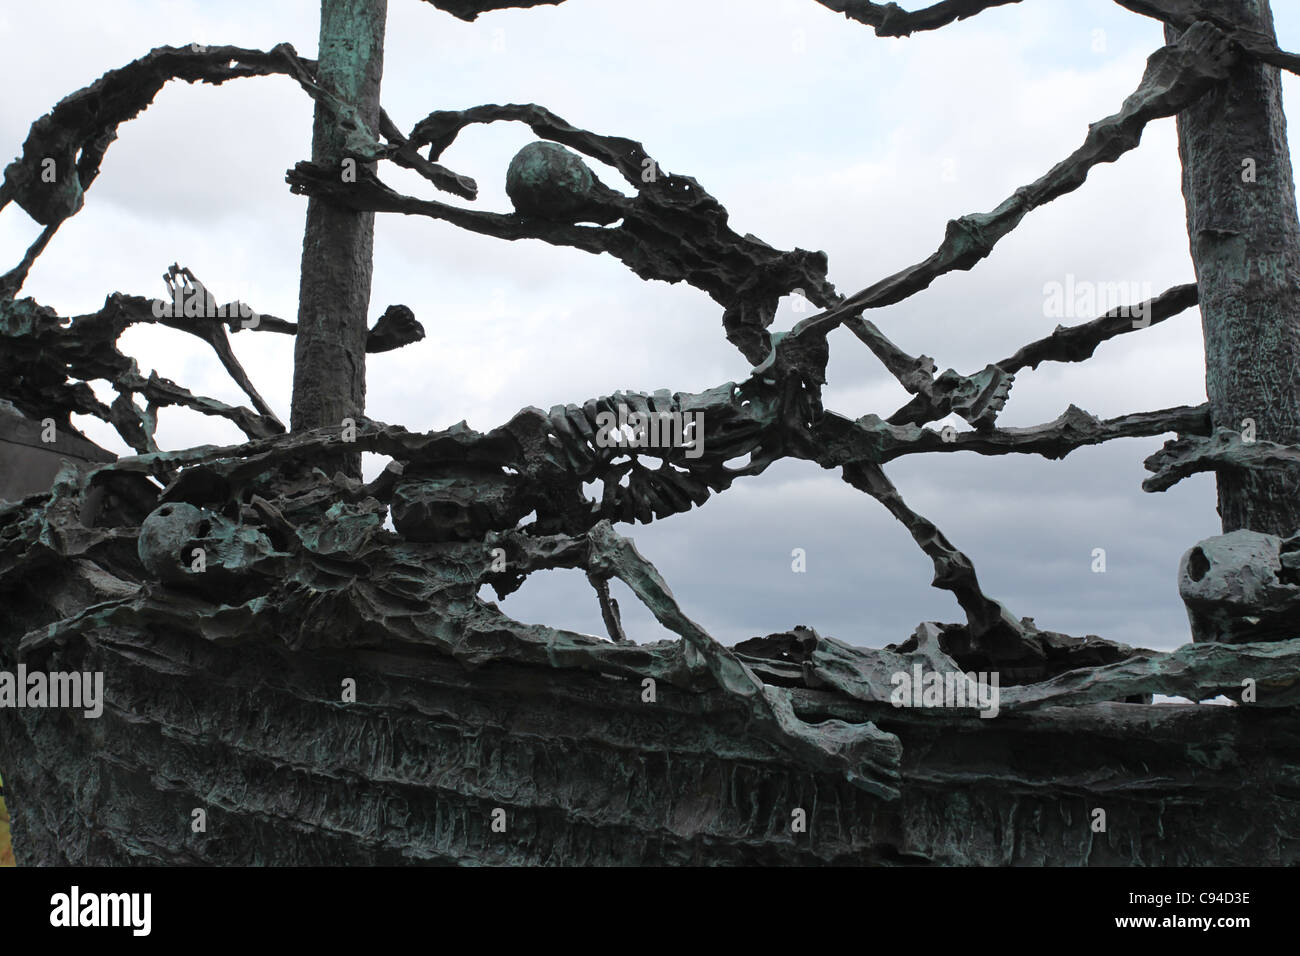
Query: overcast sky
{"points": [[812, 132]]}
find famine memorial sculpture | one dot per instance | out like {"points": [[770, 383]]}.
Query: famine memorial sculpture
{"points": [[224, 595]]}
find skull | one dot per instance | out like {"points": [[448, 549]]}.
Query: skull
{"points": [[180, 543], [547, 181], [1241, 587]]}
